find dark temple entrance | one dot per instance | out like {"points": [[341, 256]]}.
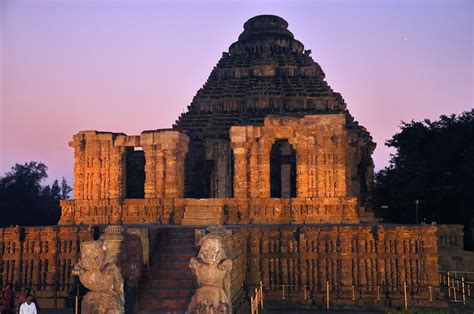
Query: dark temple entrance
{"points": [[282, 170], [135, 173]]}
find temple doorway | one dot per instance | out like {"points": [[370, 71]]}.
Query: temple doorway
{"points": [[135, 173], [282, 170]]}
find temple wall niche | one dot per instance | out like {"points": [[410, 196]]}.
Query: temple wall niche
{"points": [[320, 145]]}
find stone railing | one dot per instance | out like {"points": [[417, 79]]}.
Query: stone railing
{"points": [[345, 256], [40, 257]]}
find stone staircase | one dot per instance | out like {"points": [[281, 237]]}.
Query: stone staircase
{"points": [[203, 215], [170, 284]]}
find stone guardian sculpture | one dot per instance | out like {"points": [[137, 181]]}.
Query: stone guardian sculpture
{"points": [[211, 269], [102, 278]]}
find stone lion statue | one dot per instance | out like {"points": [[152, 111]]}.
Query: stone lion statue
{"points": [[211, 269], [102, 278]]}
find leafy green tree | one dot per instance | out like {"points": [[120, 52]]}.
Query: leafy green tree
{"points": [[434, 165], [25, 201]]}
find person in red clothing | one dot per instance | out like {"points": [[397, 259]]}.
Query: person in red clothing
{"points": [[6, 299]]}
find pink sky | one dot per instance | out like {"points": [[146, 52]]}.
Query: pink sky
{"points": [[128, 66]]}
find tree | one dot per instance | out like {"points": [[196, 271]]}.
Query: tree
{"points": [[434, 166], [25, 201]]}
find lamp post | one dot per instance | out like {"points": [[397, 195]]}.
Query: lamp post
{"points": [[416, 207]]}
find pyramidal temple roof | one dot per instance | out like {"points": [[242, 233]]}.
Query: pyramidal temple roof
{"points": [[267, 71]]}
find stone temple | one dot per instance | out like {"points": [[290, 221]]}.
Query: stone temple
{"points": [[267, 156]]}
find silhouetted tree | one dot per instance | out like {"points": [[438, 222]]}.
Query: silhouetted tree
{"points": [[434, 164], [25, 201]]}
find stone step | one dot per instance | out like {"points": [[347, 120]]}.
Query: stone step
{"points": [[175, 305], [184, 249], [169, 293], [204, 208], [178, 274], [174, 265], [163, 311], [175, 256], [203, 222], [173, 283], [202, 215], [181, 242], [180, 234]]}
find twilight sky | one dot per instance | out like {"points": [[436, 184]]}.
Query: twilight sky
{"points": [[128, 66]]}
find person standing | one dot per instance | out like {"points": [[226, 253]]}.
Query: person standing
{"points": [[28, 307]]}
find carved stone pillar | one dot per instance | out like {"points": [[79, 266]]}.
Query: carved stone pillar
{"points": [[117, 172], [151, 171], [165, 152], [171, 178], [302, 171], [253, 170], [240, 171], [264, 148]]}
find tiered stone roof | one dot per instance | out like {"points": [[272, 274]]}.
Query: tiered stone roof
{"points": [[267, 71]]}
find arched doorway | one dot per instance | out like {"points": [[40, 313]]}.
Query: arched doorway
{"points": [[282, 170]]}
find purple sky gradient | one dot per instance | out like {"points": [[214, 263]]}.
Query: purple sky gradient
{"points": [[128, 66]]}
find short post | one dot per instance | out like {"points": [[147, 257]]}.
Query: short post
{"points": [[431, 293], [454, 293], [261, 295], [76, 307], [283, 292], [463, 291], [56, 294], [469, 289], [449, 284], [252, 311], [304, 287], [440, 278], [405, 295], [327, 295], [378, 293], [353, 293]]}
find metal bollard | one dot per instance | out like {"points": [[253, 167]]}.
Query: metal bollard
{"points": [[378, 293], [431, 293], [353, 293], [283, 292], [304, 287]]}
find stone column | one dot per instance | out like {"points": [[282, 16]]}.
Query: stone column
{"points": [[155, 171], [302, 171], [171, 178], [240, 170], [253, 170], [344, 235], [117, 172], [150, 170], [165, 152], [264, 148]]}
